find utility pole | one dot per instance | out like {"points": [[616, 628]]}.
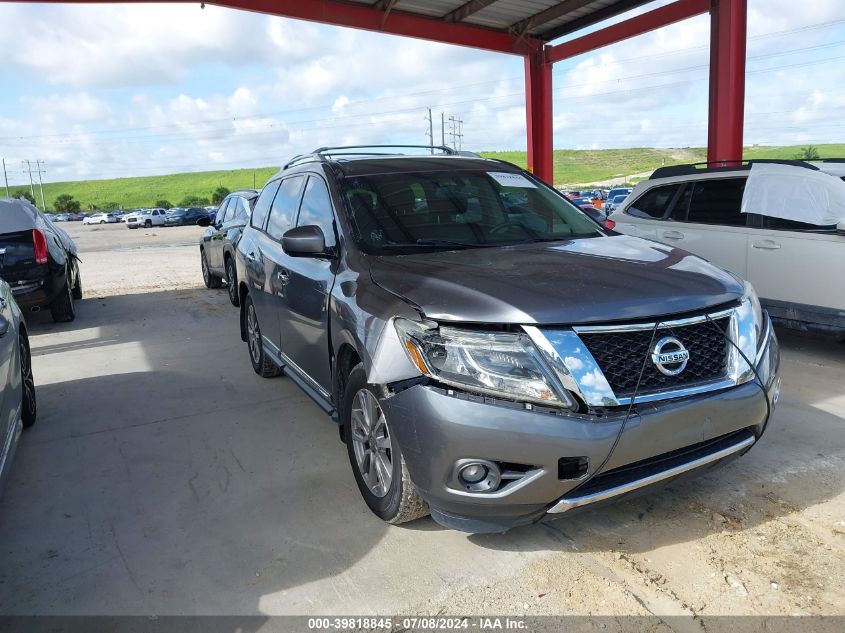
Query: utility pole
{"points": [[41, 184], [455, 132], [443, 129], [6, 178], [31, 186], [430, 132]]}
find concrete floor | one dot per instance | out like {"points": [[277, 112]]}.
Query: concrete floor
{"points": [[165, 477]]}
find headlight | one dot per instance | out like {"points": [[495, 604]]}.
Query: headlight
{"points": [[747, 333], [494, 363]]}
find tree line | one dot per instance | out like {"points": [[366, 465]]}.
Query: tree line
{"points": [[66, 203]]}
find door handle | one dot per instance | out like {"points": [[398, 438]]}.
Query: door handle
{"points": [[766, 245], [673, 235], [251, 257]]}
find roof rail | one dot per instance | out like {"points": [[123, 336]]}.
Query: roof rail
{"points": [[723, 165], [322, 153], [333, 151], [303, 158]]}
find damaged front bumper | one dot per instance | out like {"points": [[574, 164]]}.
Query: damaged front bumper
{"points": [[439, 428]]}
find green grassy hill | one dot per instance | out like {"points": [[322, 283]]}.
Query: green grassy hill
{"points": [[572, 167]]}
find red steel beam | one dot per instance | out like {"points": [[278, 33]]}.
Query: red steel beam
{"points": [[638, 25], [359, 16], [727, 80], [538, 110]]}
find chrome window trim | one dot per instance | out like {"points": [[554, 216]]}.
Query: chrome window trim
{"points": [[564, 505]]}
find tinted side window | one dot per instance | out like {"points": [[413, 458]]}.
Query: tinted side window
{"points": [[283, 211], [230, 210], [714, 202], [262, 206], [242, 211], [316, 208], [221, 211], [654, 203]]}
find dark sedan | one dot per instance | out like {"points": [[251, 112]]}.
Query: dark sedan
{"points": [[185, 217], [218, 243], [38, 260]]}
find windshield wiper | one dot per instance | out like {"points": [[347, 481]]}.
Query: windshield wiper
{"points": [[430, 243]]}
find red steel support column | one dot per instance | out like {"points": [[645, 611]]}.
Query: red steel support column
{"points": [[538, 109], [727, 80]]}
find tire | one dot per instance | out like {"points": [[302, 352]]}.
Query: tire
{"points": [[77, 287], [211, 281], [370, 443], [232, 282], [29, 407], [262, 365], [148, 224], [102, 221], [62, 308]]}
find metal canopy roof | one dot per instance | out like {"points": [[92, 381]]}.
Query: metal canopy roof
{"points": [[539, 19]]}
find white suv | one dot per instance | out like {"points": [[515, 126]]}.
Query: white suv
{"points": [[146, 218], [793, 266]]}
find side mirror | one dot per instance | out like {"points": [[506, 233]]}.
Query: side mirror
{"points": [[4, 326], [305, 241], [204, 222]]}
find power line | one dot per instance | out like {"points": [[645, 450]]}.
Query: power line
{"points": [[487, 82]]}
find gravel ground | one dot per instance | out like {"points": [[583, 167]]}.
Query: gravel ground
{"points": [[765, 535], [117, 260]]}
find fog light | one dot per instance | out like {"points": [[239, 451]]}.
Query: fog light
{"points": [[476, 475], [473, 473]]}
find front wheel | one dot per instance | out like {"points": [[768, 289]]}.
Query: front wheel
{"points": [[262, 365], [375, 456], [147, 224]]}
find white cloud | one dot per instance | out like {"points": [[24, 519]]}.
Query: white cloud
{"points": [[188, 89]]}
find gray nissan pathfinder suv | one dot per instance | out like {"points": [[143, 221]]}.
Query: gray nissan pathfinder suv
{"points": [[491, 354]]}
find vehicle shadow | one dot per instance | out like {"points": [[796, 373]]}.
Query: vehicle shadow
{"points": [[164, 477]]}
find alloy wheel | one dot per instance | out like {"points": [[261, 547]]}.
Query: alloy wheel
{"points": [[371, 443], [253, 335], [230, 280]]}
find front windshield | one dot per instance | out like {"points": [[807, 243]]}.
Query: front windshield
{"points": [[406, 212]]}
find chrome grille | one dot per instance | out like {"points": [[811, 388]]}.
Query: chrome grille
{"points": [[620, 356]]}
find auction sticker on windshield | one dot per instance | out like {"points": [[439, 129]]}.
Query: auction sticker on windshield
{"points": [[507, 179]]}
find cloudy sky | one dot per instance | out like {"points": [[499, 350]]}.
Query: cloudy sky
{"points": [[124, 90]]}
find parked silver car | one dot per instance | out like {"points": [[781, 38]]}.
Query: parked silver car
{"points": [[17, 389]]}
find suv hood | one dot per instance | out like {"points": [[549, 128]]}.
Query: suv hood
{"points": [[591, 280]]}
